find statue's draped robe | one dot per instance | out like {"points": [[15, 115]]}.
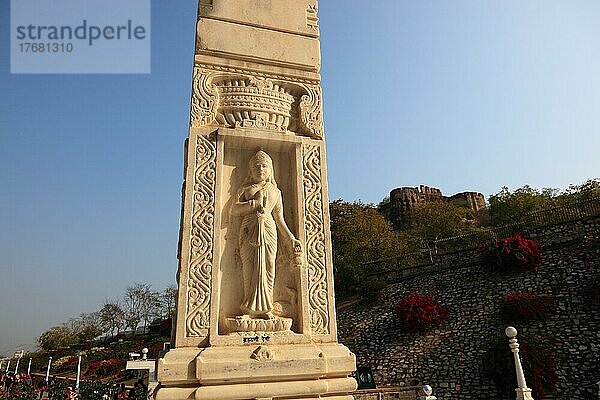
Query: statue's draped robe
{"points": [[258, 249]]}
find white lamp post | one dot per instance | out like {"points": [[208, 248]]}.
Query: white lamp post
{"points": [[428, 393], [48, 370], [8, 365], [17, 366], [78, 373], [523, 392], [29, 367]]}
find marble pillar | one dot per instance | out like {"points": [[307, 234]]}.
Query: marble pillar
{"points": [[255, 310]]}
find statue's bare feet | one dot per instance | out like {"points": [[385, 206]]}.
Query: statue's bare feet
{"points": [[268, 315]]}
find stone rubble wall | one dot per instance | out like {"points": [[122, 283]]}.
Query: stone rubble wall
{"points": [[451, 357]]}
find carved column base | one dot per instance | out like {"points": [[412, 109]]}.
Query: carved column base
{"points": [[307, 371], [247, 324], [524, 394]]}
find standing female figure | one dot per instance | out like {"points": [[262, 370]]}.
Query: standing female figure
{"points": [[259, 206]]}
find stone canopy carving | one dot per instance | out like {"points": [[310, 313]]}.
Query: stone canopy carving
{"points": [[227, 98], [254, 102]]}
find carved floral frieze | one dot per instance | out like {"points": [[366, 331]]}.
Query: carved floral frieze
{"points": [[236, 98]]}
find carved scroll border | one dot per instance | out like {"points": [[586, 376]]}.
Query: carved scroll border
{"points": [[204, 102], [311, 114], [201, 239], [315, 240]]}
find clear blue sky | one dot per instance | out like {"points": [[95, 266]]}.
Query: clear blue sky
{"points": [[460, 95]]}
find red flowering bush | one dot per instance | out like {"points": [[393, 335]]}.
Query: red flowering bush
{"points": [[105, 368], [58, 389], [420, 312], [527, 306], [94, 390], [513, 253], [19, 391], [154, 350], [66, 364]]}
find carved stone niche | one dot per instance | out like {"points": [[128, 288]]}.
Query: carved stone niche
{"points": [[288, 315], [248, 101]]}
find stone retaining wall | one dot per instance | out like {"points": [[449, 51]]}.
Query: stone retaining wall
{"points": [[451, 357]]}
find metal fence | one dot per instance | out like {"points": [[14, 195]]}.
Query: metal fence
{"points": [[582, 209], [585, 208], [476, 239], [407, 260]]}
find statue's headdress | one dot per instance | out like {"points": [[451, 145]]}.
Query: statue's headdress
{"points": [[261, 156]]}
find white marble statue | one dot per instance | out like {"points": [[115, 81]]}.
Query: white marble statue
{"points": [[259, 207]]}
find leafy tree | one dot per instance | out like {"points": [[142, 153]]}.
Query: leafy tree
{"points": [[151, 307], [111, 316], [509, 207], [89, 326], [384, 201], [85, 327], [432, 221], [141, 304], [168, 299], [133, 299], [587, 190], [385, 207], [360, 234], [57, 337]]}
